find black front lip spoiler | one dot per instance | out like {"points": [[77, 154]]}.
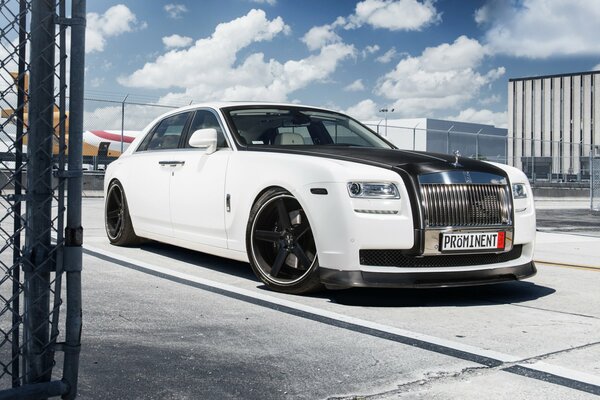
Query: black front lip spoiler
{"points": [[334, 279]]}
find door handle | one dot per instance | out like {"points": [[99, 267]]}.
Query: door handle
{"points": [[172, 163]]}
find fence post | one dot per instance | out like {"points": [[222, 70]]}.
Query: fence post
{"points": [[123, 121], [595, 179], [74, 230], [36, 262], [533, 174], [18, 183], [448, 140], [579, 169], [477, 144], [506, 150]]}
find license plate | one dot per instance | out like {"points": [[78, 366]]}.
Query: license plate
{"points": [[472, 241]]}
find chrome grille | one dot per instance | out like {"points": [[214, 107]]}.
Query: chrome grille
{"points": [[466, 205]]}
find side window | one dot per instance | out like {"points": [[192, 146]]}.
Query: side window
{"points": [[166, 134], [206, 119], [293, 130], [341, 134]]}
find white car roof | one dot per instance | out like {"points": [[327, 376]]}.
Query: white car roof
{"points": [[223, 104]]}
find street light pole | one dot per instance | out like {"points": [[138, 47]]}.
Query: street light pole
{"points": [[123, 121], [385, 111]]}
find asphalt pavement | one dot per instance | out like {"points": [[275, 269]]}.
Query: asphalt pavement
{"points": [[577, 221], [162, 322]]}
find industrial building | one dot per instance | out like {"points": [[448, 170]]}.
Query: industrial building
{"points": [[553, 124]]}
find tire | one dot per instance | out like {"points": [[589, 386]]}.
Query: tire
{"points": [[117, 221], [280, 244]]}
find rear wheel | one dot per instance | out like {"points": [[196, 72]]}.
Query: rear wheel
{"points": [[281, 246], [117, 222]]}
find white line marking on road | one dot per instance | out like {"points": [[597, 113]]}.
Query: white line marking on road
{"points": [[587, 267]]}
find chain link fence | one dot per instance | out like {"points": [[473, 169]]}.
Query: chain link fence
{"points": [[544, 161], [111, 125], [552, 161], [477, 145], [595, 180], [40, 227]]}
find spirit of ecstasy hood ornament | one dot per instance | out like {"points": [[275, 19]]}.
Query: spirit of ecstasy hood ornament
{"points": [[456, 164]]}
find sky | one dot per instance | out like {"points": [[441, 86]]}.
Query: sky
{"points": [[448, 59]]}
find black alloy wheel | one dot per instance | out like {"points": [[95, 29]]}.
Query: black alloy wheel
{"points": [[281, 245], [119, 228]]}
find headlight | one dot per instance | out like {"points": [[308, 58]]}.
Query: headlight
{"points": [[519, 191], [373, 190]]}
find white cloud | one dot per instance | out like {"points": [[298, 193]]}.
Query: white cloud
{"points": [[136, 117], [114, 22], [490, 100], [442, 77], [542, 28], [204, 61], [367, 51], [387, 14], [364, 110], [269, 2], [210, 69], [97, 82], [596, 68], [491, 10], [319, 36], [395, 15], [355, 86], [488, 117], [175, 11], [481, 15], [387, 57], [175, 41]]}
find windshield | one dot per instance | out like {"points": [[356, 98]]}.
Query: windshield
{"points": [[289, 126]]}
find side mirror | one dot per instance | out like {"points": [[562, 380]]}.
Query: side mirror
{"points": [[205, 138]]}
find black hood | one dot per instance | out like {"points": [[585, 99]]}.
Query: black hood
{"points": [[412, 162]]}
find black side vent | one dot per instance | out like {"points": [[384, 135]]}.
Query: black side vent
{"points": [[395, 258]]}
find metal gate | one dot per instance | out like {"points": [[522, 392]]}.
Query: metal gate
{"points": [[595, 179], [40, 222]]}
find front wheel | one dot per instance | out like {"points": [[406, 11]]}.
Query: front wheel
{"points": [[280, 244]]}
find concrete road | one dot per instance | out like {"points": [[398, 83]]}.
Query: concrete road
{"points": [[577, 221], [161, 322]]}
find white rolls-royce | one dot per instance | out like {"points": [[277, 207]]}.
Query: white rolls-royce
{"points": [[312, 198]]}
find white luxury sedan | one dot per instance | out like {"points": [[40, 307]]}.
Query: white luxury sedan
{"points": [[312, 198]]}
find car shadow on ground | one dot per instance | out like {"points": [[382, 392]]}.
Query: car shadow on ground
{"points": [[215, 263], [493, 294]]}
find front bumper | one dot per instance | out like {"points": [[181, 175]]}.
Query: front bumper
{"points": [[336, 279]]}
